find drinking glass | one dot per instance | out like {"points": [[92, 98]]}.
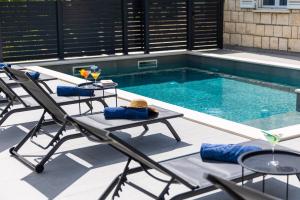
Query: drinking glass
{"points": [[85, 74], [95, 74], [273, 139]]}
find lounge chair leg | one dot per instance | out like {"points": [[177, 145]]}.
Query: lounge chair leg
{"points": [[165, 190], [90, 106], [4, 100], [58, 144], [4, 118], [103, 102], [47, 87], [55, 138], [9, 113], [5, 110], [110, 188], [15, 149], [121, 180], [32, 132], [117, 183], [40, 166], [38, 125], [146, 127], [170, 127]]}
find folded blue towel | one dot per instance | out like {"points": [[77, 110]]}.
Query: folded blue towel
{"points": [[73, 91], [2, 65], [34, 75], [125, 113], [225, 153]]}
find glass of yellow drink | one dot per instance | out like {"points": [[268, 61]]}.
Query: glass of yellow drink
{"points": [[96, 74]]}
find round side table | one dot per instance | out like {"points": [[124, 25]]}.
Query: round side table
{"points": [[289, 164]]}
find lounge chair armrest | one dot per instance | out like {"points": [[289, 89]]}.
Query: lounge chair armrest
{"points": [[238, 192]]}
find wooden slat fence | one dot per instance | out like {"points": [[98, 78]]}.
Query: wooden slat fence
{"points": [[35, 30]]}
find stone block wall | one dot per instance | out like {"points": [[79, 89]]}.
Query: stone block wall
{"points": [[265, 29]]}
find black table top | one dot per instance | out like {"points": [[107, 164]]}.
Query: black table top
{"points": [[289, 162], [93, 86]]}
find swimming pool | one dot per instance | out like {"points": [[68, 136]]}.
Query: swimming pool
{"points": [[212, 93]]}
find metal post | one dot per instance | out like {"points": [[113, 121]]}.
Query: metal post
{"points": [[190, 23], [1, 47], [263, 184], [124, 25], [60, 29], [297, 91], [287, 188], [146, 26], [220, 23], [243, 176]]}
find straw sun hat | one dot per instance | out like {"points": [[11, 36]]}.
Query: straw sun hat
{"points": [[141, 103], [138, 103]]}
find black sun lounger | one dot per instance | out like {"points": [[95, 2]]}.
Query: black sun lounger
{"points": [[238, 192], [187, 170], [59, 117], [43, 78], [29, 103], [17, 67], [7, 81]]}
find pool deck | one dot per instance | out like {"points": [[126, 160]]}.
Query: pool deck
{"points": [[82, 169], [291, 61]]}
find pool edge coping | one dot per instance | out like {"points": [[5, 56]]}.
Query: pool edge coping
{"points": [[246, 60], [207, 54]]}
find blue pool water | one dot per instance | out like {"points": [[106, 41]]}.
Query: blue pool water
{"points": [[213, 94]]}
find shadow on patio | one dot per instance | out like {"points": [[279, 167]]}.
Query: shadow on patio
{"points": [[67, 167]]}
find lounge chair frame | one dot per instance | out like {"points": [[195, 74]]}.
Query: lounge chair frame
{"points": [[59, 117], [12, 97], [116, 185], [42, 80], [238, 192], [145, 163]]}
